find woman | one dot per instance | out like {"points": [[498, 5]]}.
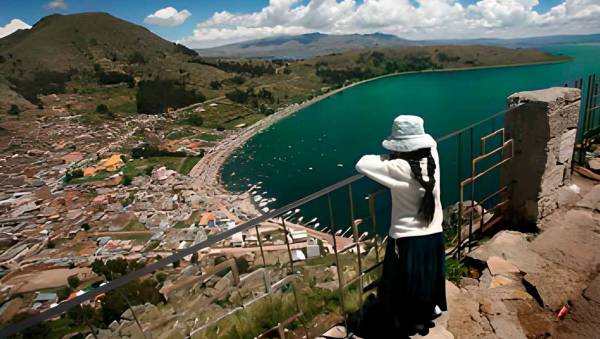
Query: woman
{"points": [[412, 287]]}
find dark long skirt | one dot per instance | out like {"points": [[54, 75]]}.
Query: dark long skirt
{"points": [[412, 282]]}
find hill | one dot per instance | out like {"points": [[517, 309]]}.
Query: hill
{"points": [[64, 42], [531, 42], [100, 67], [304, 46], [318, 44]]}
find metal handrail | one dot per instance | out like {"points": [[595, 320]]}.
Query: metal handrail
{"points": [[129, 277]]}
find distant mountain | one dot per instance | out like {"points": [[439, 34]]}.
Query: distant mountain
{"points": [[531, 42], [77, 42], [304, 46], [317, 44]]}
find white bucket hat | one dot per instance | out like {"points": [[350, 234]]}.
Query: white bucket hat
{"points": [[408, 135]]}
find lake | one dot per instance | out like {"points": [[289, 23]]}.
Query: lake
{"points": [[319, 145]]}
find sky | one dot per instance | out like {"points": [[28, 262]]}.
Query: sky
{"points": [[209, 23]]}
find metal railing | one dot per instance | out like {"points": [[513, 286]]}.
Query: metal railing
{"points": [[351, 245]]}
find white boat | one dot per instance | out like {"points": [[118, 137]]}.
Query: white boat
{"points": [[311, 221], [257, 198]]}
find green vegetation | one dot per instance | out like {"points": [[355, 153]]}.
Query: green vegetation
{"points": [[156, 96], [455, 270], [209, 137], [251, 68], [73, 281], [188, 164], [113, 78], [144, 166], [14, 110], [137, 58], [179, 134], [147, 150], [137, 292], [193, 119], [41, 83], [103, 175]]}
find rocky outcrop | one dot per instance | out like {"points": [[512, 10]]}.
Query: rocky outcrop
{"points": [[543, 127]]}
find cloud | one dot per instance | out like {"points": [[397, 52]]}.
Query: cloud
{"points": [[57, 4], [13, 26], [168, 17], [413, 19]]}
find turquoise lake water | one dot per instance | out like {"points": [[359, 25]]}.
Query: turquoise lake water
{"points": [[319, 145]]}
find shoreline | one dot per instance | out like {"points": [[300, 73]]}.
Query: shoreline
{"points": [[206, 174]]}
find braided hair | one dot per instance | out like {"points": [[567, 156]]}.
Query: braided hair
{"points": [[427, 208]]}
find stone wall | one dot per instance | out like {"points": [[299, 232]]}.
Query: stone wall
{"points": [[543, 130]]}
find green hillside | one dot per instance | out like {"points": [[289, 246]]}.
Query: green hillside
{"points": [[93, 59]]}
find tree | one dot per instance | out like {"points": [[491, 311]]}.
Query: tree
{"points": [[238, 80], [195, 119], [194, 259], [215, 84], [73, 281], [14, 110], [137, 58], [156, 96], [102, 109], [238, 96]]}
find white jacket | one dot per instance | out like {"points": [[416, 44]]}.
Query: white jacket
{"points": [[407, 193]]}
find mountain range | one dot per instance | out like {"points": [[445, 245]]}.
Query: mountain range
{"points": [[317, 44]]}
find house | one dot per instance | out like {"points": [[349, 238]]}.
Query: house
{"points": [[208, 219], [237, 240], [312, 248], [44, 299], [251, 240], [298, 255], [299, 236]]}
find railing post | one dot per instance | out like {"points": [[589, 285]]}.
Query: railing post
{"points": [[262, 253], [460, 203], [337, 259], [356, 240], [374, 222], [287, 244]]}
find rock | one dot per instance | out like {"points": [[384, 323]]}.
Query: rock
{"points": [[190, 270], [512, 247], [498, 265], [485, 279], [336, 332], [468, 283], [507, 327], [568, 195], [594, 164], [592, 292], [28, 207], [554, 285], [464, 319], [114, 326], [571, 241], [591, 200], [224, 283], [499, 281]]}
